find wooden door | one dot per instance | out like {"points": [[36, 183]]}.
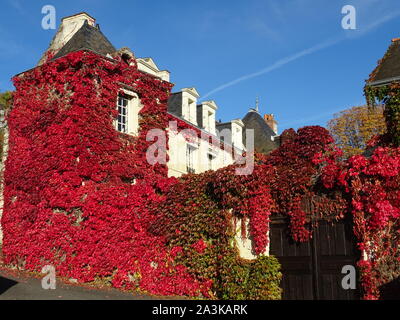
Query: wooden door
{"points": [[313, 270]]}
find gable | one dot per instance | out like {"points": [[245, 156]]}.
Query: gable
{"points": [[149, 62], [192, 91]]}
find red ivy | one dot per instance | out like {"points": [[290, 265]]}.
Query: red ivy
{"points": [[81, 196]]}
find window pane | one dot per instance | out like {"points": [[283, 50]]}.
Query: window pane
{"points": [[189, 160], [122, 120]]}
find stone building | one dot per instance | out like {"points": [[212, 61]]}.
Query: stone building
{"points": [[3, 156], [80, 32]]}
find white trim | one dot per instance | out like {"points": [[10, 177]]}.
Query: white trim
{"points": [[133, 108]]}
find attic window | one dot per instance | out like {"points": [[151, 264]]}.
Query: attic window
{"points": [[209, 120], [126, 57], [190, 109]]}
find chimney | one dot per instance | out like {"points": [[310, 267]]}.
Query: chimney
{"points": [[69, 26], [271, 122]]}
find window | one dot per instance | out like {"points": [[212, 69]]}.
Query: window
{"points": [[210, 161], [122, 121], [189, 159], [209, 120], [190, 110], [128, 107], [223, 146]]}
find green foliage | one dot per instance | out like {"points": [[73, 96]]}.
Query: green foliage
{"points": [[5, 100], [265, 278], [392, 114], [250, 279], [196, 219], [388, 95]]}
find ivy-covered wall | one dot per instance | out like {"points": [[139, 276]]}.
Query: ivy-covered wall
{"points": [[82, 197]]}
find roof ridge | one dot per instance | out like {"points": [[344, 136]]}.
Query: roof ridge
{"points": [[77, 14], [388, 67]]}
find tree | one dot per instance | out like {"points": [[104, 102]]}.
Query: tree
{"points": [[5, 100], [354, 127], [5, 104]]}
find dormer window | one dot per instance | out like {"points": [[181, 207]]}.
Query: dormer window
{"points": [[210, 120], [191, 110], [206, 116], [237, 138], [183, 104], [231, 132]]}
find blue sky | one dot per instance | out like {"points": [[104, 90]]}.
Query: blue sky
{"points": [[293, 54]]}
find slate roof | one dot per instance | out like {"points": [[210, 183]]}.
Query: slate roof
{"points": [[388, 68], [262, 132], [87, 38]]}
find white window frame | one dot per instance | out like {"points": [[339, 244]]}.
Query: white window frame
{"points": [[210, 161], [130, 125], [122, 122], [190, 150], [190, 105]]}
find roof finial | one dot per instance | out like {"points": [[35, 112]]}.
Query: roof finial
{"points": [[257, 104]]}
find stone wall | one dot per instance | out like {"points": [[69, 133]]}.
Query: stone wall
{"points": [[3, 158], [245, 244]]}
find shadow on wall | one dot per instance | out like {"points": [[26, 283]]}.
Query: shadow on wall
{"points": [[6, 284]]}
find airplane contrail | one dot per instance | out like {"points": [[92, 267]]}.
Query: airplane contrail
{"points": [[280, 63], [276, 65]]}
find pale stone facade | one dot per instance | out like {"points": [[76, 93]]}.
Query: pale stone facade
{"points": [[4, 157], [197, 155], [245, 244]]}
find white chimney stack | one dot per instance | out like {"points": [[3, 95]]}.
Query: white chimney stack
{"points": [[69, 26]]}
